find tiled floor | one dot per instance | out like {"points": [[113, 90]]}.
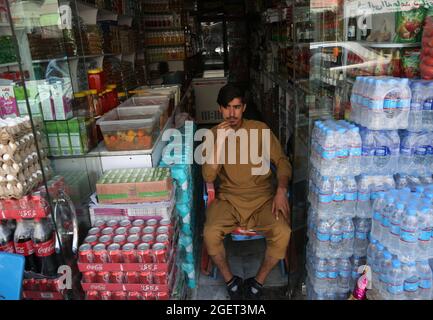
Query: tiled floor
{"points": [[244, 259]]}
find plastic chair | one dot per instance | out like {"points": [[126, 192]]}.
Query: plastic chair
{"points": [[207, 267], [11, 276]]}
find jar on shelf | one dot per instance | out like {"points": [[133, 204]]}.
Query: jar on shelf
{"points": [[114, 94], [80, 104], [96, 102], [96, 79], [103, 100]]}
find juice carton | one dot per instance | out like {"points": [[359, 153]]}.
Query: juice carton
{"points": [[75, 136], [33, 98], [44, 89], [64, 140], [53, 138], [8, 103], [62, 103]]}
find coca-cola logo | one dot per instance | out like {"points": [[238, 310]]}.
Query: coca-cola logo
{"points": [[8, 247], [149, 288], [44, 249], [148, 266], [94, 267], [98, 287], [24, 248]]}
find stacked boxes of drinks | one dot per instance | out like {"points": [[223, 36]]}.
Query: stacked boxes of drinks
{"points": [[129, 259], [182, 174]]}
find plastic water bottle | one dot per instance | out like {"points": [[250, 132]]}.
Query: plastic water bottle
{"points": [[325, 192], [409, 236], [411, 282], [348, 230], [378, 207], [377, 258], [339, 193], [371, 252], [333, 275], [401, 181], [386, 214], [385, 265], [351, 194], [344, 275], [336, 240], [320, 279], [363, 209], [394, 228], [396, 281], [323, 236], [425, 279], [362, 229], [425, 233]]}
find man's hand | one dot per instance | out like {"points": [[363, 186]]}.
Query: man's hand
{"points": [[281, 204]]}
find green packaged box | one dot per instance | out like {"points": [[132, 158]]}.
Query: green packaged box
{"points": [[75, 135], [63, 133], [53, 138], [33, 97]]}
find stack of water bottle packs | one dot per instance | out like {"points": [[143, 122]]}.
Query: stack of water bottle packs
{"points": [[381, 103], [421, 107], [402, 244]]}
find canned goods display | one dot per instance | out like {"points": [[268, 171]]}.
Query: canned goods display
{"points": [[159, 253], [164, 239], [94, 232], [162, 229], [120, 239], [92, 240], [107, 239], [125, 223], [135, 295], [165, 222], [134, 230], [120, 230], [144, 254], [85, 253], [134, 238], [145, 277], [149, 230], [102, 277]]}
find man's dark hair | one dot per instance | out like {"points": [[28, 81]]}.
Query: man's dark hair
{"points": [[228, 93]]}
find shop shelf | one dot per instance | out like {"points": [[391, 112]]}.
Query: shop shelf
{"points": [[389, 45], [9, 64]]}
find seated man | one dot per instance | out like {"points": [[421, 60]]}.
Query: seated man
{"points": [[245, 199]]}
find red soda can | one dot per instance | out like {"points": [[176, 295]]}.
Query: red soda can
{"points": [[117, 277], [159, 253], [145, 277], [89, 277], [112, 223], [92, 240], [135, 295], [149, 230], [151, 222], [164, 239], [148, 238], [125, 223], [134, 230], [100, 224], [94, 232], [107, 231], [134, 238], [162, 296], [160, 277], [92, 295], [114, 253], [24, 203], [85, 253], [107, 239], [165, 222], [162, 229], [120, 230], [128, 253], [102, 277], [138, 223], [105, 295], [148, 295], [100, 253], [144, 254], [119, 295], [132, 277], [120, 240], [53, 285]]}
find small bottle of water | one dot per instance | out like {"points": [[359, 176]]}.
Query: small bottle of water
{"points": [[425, 281], [396, 281], [411, 282]]}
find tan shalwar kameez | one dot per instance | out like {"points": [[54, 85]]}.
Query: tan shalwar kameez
{"points": [[245, 200]]}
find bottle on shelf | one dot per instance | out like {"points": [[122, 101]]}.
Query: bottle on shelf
{"points": [[351, 29], [365, 30]]}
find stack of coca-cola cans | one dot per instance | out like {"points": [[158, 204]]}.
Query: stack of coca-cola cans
{"points": [[123, 243]]}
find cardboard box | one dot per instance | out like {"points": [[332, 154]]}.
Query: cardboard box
{"points": [[61, 102], [53, 138], [8, 103], [64, 141]]}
